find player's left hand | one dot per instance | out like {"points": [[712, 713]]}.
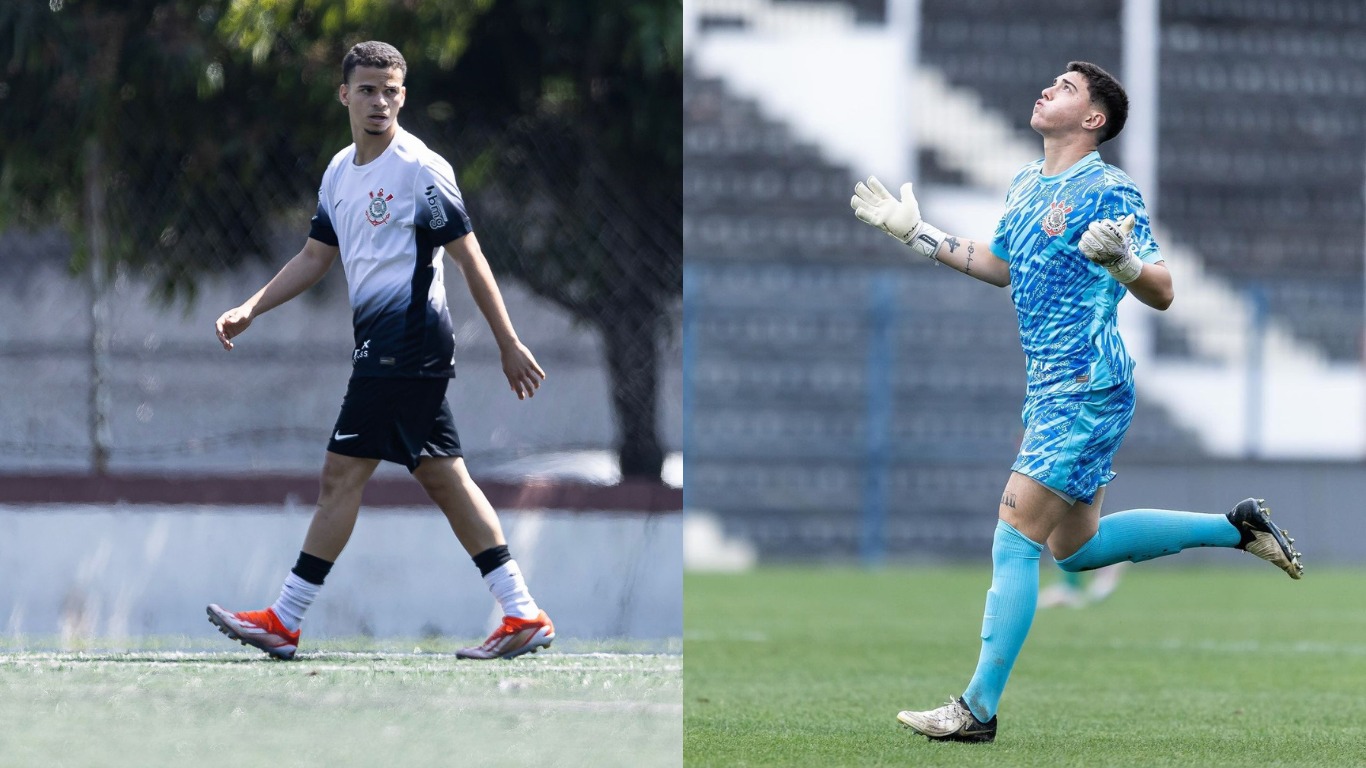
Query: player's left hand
{"points": [[1106, 243], [232, 323], [524, 374]]}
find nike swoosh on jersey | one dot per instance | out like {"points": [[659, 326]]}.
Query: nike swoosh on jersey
{"points": [[339, 436]]}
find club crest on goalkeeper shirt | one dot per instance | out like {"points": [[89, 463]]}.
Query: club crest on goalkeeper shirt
{"points": [[1055, 220]]}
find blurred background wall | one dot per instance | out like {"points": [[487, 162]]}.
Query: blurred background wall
{"points": [[844, 400]]}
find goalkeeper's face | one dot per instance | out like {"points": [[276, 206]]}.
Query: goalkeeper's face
{"points": [[1065, 107]]}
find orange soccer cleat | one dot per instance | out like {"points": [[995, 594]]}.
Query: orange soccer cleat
{"points": [[261, 629], [513, 638]]}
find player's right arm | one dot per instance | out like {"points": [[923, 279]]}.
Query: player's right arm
{"points": [[298, 275], [874, 205]]}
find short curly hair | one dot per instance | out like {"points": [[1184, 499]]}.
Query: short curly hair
{"points": [[372, 54], [1108, 94]]}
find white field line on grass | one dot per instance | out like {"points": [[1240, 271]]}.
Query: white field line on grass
{"points": [[1225, 647], [320, 663], [174, 656], [1211, 646], [519, 675], [705, 636], [303, 663]]}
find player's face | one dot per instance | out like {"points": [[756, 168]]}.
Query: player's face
{"points": [[1065, 106], [373, 98]]}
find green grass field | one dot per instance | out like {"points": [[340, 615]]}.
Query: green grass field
{"points": [[336, 707], [1180, 667]]}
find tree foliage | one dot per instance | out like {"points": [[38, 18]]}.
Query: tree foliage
{"points": [[211, 117]]}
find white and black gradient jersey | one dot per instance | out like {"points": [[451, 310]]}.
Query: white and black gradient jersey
{"points": [[390, 218]]}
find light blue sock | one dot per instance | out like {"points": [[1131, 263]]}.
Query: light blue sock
{"points": [[1010, 610], [1142, 534]]}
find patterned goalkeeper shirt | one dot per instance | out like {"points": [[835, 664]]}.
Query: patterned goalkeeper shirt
{"points": [[1064, 303]]}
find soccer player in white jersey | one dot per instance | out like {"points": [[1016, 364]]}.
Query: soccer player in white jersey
{"points": [[389, 206], [1074, 239]]}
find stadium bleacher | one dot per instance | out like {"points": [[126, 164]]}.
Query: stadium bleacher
{"points": [[1028, 44], [1262, 131]]}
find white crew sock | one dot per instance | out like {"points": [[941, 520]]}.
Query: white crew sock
{"points": [[505, 582], [295, 597]]}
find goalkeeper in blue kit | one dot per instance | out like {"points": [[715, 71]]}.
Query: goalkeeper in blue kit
{"points": [[1075, 238]]}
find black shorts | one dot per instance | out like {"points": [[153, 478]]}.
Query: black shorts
{"points": [[398, 420]]}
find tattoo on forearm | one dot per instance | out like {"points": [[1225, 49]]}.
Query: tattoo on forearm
{"points": [[952, 243], [967, 266], [1008, 499]]}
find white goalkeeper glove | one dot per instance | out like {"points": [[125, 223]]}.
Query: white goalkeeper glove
{"points": [[874, 205], [1106, 242]]}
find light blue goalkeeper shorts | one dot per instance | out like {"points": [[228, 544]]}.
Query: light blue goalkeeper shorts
{"points": [[1071, 438]]}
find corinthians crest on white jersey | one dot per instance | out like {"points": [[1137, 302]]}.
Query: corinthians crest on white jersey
{"points": [[378, 211]]}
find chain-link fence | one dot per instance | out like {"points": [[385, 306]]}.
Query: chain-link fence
{"points": [[107, 352]]}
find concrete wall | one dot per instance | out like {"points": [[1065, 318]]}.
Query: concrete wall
{"points": [[178, 401], [128, 571], [1320, 504]]}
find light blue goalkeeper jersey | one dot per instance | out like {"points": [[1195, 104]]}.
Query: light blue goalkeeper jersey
{"points": [[1065, 304]]}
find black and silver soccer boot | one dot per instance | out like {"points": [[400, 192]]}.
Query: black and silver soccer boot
{"points": [[1262, 538]]}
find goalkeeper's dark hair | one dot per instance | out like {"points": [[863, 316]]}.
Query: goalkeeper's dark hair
{"points": [[1108, 94], [373, 54]]}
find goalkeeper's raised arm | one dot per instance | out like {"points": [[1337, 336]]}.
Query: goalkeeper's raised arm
{"points": [[876, 206]]}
